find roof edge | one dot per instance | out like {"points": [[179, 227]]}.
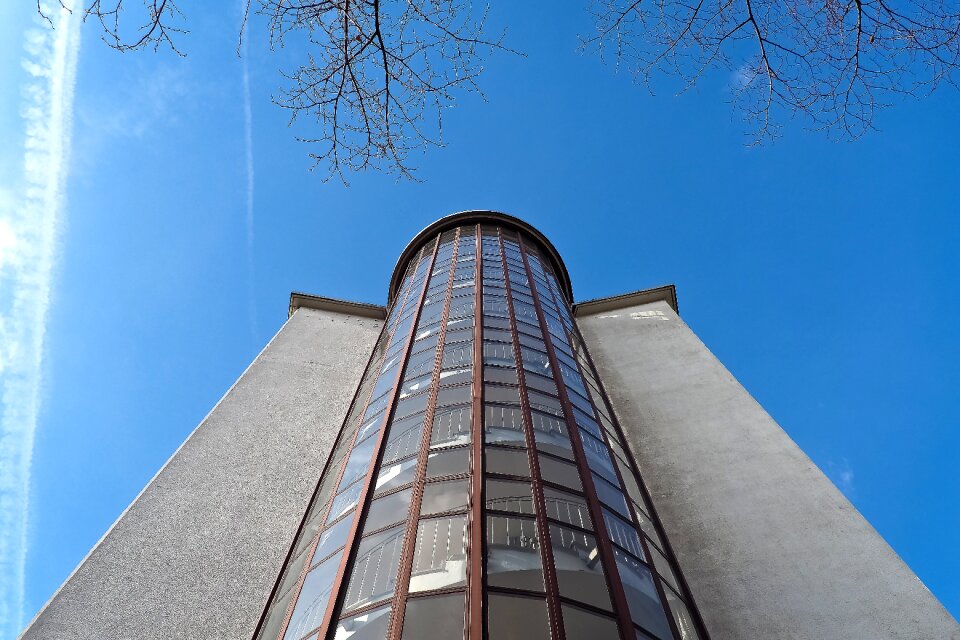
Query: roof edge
{"points": [[478, 216], [362, 309], [666, 293]]}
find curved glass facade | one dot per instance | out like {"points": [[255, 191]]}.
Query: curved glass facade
{"points": [[480, 486]]}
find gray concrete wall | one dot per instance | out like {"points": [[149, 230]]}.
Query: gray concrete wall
{"points": [[770, 548], [197, 553]]}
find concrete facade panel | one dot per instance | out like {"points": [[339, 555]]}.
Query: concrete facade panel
{"points": [[769, 546], [197, 553]]}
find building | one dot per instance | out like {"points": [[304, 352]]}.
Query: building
{"points": [[625, 485]]}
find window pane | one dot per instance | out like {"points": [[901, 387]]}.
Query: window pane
{"points": [[579, 571], [500, 374], [374, 573], [439, 497], [454, 395], [541, 383], [611, 496], [642, 597], [411, 405], [345, 501], [681, 616], [451, 427], [567, 508], [440, 559], [507, 462], [506, 495], [314, 595], [395, 475], [550, 433], [512, 617], [456, 376], [623, 534], [448, 462], [503, 423], [513, 554], [561, 473], [387, 510], [404, 438], [584, 625], [509, 395], [663, 568], [332, 539], [436, 618], [359, 462], [371, 625]]}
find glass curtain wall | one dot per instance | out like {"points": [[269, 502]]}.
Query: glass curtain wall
{"points": [[480, 486]]}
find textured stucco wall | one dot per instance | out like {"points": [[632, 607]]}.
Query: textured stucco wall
{"points": [[197, 553], [770, 547]]}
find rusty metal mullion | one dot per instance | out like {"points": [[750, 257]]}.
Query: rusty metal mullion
{"points": [[274, 592], [654, 517], [616, 470], [611, 571], [363, 501], [546, 551], [410, 536], [336, 485], [473, 620]]}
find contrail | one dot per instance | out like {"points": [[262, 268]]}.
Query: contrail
{"points": [[31, 209], [248, 143]]}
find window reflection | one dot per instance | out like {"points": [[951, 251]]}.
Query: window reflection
{"points": [[513, 553], [374, 572], [579, 570], [440, 558], [435, 618], [511, 617], [371, 625]]}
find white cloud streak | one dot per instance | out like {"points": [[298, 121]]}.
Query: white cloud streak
{"points": [[248, 145], [31, 210]]}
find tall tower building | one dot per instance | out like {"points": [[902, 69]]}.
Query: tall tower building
{"points": [[485, 459]]}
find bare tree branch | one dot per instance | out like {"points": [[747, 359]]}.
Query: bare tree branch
{"points": [[379, 75], [834, 62]]}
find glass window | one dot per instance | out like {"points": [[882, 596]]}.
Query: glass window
{"points": [[642, 597], [345, 501], [499, 374], [459, 335], [623, 534], [545, 403], [561, 473], [498, 353], [395, 475], [415, 385], [448, 462], [313, 599], [513, 553], [439, 497], [387, 510], [498, 335], [372, 625], [646, 525], [550, 434], [374, 574], [332, 539], [503, 423], [411, 405], [403, 439], [610, 496], [579, 624], [540, 383], [457, 355], [359, 462], [506, 495], [567, 508], [663, 568], [440, 557], [451, 426], [454, 395], [579, 570], [456, 376], [436, 618], [507, 462], [536, 361], [509, 395], [681, 616], [598, 457], [511, 617]]}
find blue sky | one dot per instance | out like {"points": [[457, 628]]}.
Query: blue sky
{"points": [[154, 220]]}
